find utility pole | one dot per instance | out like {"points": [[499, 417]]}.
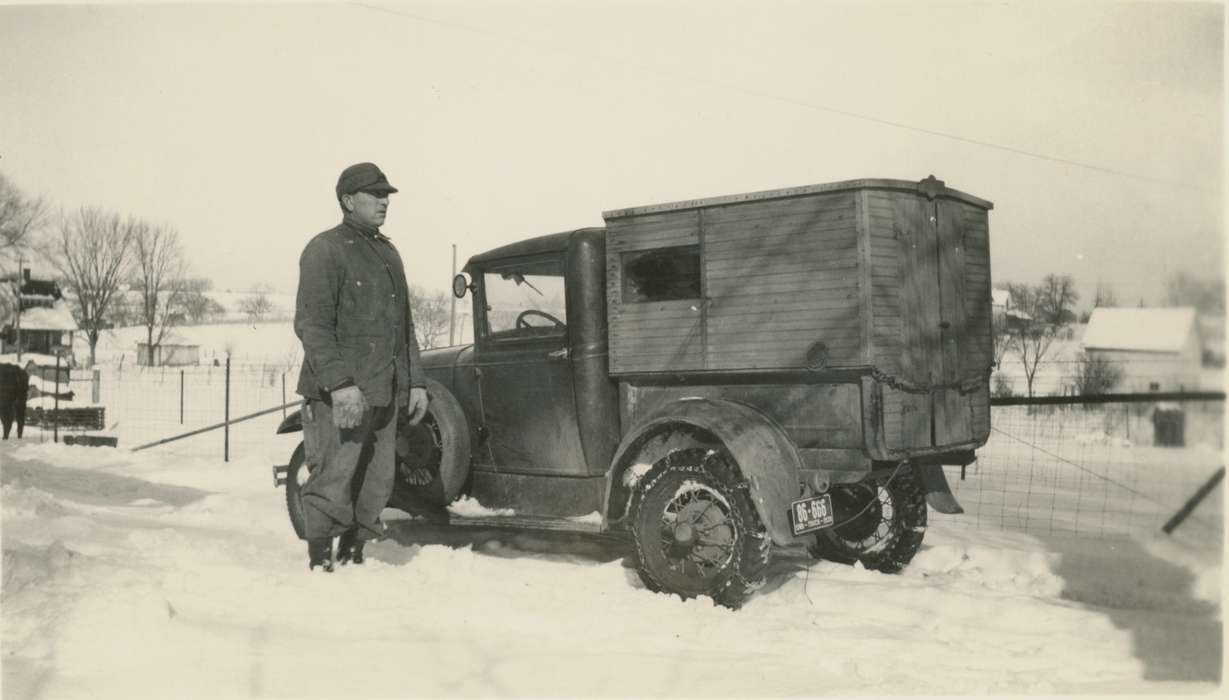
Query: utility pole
{"points": [[452, 317], [21, 280]]}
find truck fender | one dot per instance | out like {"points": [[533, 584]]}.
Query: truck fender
{"points": [[938, 492], [765, 456], [292, 423]]}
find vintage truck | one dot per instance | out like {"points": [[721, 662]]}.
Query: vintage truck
{"points": [[713, 378]]}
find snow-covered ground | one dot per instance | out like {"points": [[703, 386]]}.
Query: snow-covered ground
{"points": [[152, 575]]}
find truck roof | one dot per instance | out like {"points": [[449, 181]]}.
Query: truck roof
{"points": [[907, 185], [550, 243]]}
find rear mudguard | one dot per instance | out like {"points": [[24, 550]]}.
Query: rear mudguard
{"points": [[765, 456], [938, 492], [292, 423]]}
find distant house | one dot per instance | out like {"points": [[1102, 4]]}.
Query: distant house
{"points": [[1158, 349], [1000, 302], [1005, 312], [46, 324]]}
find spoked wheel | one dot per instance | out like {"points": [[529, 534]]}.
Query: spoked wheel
{"points": [[879, 522], [437, 448], [696, 532], [419, 450]]}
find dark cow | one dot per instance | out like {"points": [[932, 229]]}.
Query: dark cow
{"points": [[14, 389]]}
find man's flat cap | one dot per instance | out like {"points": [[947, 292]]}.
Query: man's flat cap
{"points": [[363, 177]]}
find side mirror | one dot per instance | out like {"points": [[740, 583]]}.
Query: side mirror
{"points": [[460, 284]]}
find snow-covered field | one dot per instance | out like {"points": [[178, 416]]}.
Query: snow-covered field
{"points": [[151, 575]]}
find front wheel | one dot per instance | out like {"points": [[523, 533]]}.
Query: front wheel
{"points": [[695, 529], [880, 522], [296, 476]]}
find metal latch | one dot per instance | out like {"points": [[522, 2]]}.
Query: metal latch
{"points": [[561, 354]]}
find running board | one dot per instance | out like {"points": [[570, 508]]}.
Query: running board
{"points": [[528, 522]]}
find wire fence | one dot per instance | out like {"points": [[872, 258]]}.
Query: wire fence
{"points": [[1094, 469]]}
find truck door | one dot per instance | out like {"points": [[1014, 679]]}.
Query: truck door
{"points": [[524, 371]]}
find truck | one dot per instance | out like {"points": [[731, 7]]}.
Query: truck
{"points": [[714, 378]]}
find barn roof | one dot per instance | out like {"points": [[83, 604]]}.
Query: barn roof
{"points": [[1144, 330]]}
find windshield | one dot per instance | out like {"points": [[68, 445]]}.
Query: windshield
{"points": [[526, 300]]}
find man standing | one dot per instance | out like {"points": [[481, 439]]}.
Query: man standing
{"points": [[360, 366]]}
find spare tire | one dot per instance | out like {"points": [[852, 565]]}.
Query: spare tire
{"points": [[439, 443]]}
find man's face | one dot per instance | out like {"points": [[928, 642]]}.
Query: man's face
{"points": [[369, 208]]}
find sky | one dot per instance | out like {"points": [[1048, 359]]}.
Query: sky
{"points": [[1095, 128]]}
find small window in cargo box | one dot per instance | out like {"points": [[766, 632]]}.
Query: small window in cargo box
{"points": [[661, 274]]}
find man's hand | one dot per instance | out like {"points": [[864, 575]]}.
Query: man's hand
{"points": [[349, 405], [417, 407]]}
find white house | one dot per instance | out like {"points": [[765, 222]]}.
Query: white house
{"points": [[35, 310], [1157, 349]]}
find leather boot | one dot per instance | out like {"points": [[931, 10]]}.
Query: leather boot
{"points": [[349, 548], [320, 553]]}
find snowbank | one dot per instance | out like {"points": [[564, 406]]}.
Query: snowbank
{"points": [[148, 575]]}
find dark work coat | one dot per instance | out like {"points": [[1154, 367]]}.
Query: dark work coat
{"points": [[353, 315]]}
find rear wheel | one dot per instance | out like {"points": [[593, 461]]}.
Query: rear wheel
{"points": [[695, 529], [879, 522]]}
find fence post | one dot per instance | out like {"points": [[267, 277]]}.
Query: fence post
{"points": [[226, 430], [181, 397], [283, 395], [55, 429], [96, 389]]}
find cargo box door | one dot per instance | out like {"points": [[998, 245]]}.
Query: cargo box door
{"points": [[936, 333], [957, 337], [921, 359]]}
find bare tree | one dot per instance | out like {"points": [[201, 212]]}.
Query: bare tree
{"points": [[161, 276], [1032, 342], [430, 316], [1055, 298], [1093, 375], [257, 304], [1032, 336], [197, 305], [123, 309], [20, 216], [1003, 339], [90, 250]]}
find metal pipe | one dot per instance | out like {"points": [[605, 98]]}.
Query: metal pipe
{"points": [[1194, 501], [215, 426]]}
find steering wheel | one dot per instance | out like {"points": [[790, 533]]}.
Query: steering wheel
{"points": [[520, 318]]}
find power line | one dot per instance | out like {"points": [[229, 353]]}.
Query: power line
{"points": [[795, 101]]}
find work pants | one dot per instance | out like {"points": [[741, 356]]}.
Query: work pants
{"points": [[352, 470]]}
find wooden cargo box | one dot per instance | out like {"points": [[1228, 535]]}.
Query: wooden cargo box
{"points": [[886, 276]]}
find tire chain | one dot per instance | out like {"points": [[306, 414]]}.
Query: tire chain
{"points": [[910, 502], [747, 582]]}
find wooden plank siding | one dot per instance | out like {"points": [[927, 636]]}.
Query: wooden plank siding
{"points": [[651, 337], [781, 277]]}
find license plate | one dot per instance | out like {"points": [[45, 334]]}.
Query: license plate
{"points": [[811, 514]]}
